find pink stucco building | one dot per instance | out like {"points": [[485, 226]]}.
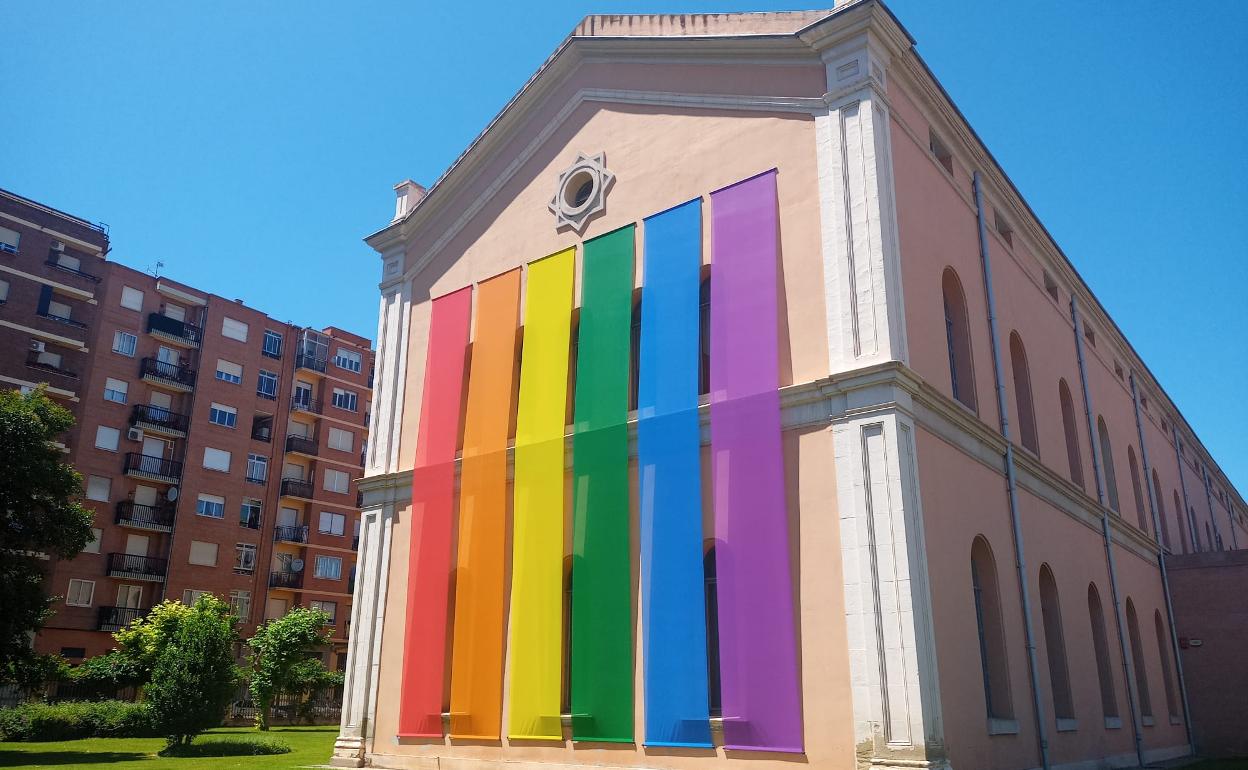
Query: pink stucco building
{"points": [[928, 483]]}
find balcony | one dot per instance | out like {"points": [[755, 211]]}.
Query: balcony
{"points": [[33, 362], [297, 488], [155, 518], [301, 445], [312, 363], [284, 579], [63, 320], [54, 260], [141, 466], [117, 618], [172, 376], [155, 419], [295, 533], [172, 330], [302, 404], [250, 522], [355, 543], [131, 567]]}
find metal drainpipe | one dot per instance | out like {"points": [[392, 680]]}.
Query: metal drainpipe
{"points": [[1194, 534], [1161, 565], [1010, 481], [1127, 663]]}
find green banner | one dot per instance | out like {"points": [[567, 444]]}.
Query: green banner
{"points": [[602, 650]]}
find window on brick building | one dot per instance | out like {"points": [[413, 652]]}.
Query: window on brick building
{"points": [[244, 557], [124, 343], [131, 298], [80, 593], [1137, 489], [329, 608], [272, 344], [266, 385], [1137, 660], [989, 621], [240, 604], [328, 567], [228, 371], [958, 340], [1179, 521], [1161, 511], [220, 414], [1071, 430], [116, 391], [332, 523]]}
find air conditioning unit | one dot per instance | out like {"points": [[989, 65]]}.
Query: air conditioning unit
{"points": [[135, 434], [58, 246], [38, 346]]}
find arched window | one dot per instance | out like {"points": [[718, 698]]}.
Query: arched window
{"points": [[1055, 645], [1167, 674], [1107, 462], [1100, 646], [1069, 427], [958, 338], [1137, 660], [704, 332], [1136, 489], [1178, 519], [1161, 511], [712, 633], [634, 351], [1022, 394], [988, 619]]}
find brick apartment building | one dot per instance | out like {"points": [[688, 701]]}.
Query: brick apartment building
{"points": [[219, 450]]}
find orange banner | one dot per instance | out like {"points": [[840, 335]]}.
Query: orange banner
{"points": [[477, 652]]}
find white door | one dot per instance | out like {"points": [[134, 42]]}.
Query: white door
{"points": [[153, 447], [136, 545], [145, 495], [129, 596], [168, 355], [287, 517], [176, 312], [276, 609], [161, 400]]}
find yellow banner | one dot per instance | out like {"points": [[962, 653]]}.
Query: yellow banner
{"points": [[536, 627]]}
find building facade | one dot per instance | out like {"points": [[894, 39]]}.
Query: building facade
{"points": [[733, 406], [51, 264], [220, 448]]}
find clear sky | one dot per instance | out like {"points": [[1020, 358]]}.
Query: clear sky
{"points": [[250, 146]]}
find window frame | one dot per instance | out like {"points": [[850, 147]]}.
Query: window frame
{"points": [[322, 558], [131, 343], [229, 412], [211, 504], [79, 582]]}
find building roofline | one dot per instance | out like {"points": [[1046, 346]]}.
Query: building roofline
{"points": [[99, 227]]}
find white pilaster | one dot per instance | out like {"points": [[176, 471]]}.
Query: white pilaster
{"points": [[861, 260], [892, 653]]}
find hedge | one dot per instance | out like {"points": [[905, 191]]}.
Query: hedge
{"points": [[76, 719]]}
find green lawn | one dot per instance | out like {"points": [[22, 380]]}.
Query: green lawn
{"points": [[310, 746]]}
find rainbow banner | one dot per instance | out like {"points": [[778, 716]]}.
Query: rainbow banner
{"points": [[758, 650], [669, 468], [602, 649], [480, 582], [431, 518], [536, 622]]}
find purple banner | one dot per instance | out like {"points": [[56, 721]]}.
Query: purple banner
{"points": [[758, 654]]}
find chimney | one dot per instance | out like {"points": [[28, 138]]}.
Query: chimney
{"points": [[407, 194]]}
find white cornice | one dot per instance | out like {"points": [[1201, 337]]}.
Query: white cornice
{"points": [[888, 386]]}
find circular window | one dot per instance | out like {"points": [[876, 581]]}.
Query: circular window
{"points": [[578, 190]]}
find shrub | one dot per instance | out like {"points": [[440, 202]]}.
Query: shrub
{"points": [[194, 676], [72, 720], [227, 747]]}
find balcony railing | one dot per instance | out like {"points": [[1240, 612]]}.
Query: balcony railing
{"points": [[54, 261], [306, 361], [182, 377], [283, 579], [159, 420], [63, 320], [32, 360], [117, 618], [301, 444], [301, 404], [158, 518], [127, 565], [291, 533], [297, 488], [172, 329], [262, 433], [147, 466], [250, 522]]}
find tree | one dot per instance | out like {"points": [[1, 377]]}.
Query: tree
{"points": [[194, 675], [281, 658], [40, 513]]}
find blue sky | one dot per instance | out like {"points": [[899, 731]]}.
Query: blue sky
{"points": [[250, 146]]}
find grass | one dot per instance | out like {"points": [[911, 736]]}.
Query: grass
{"points": [[309, 746]]}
